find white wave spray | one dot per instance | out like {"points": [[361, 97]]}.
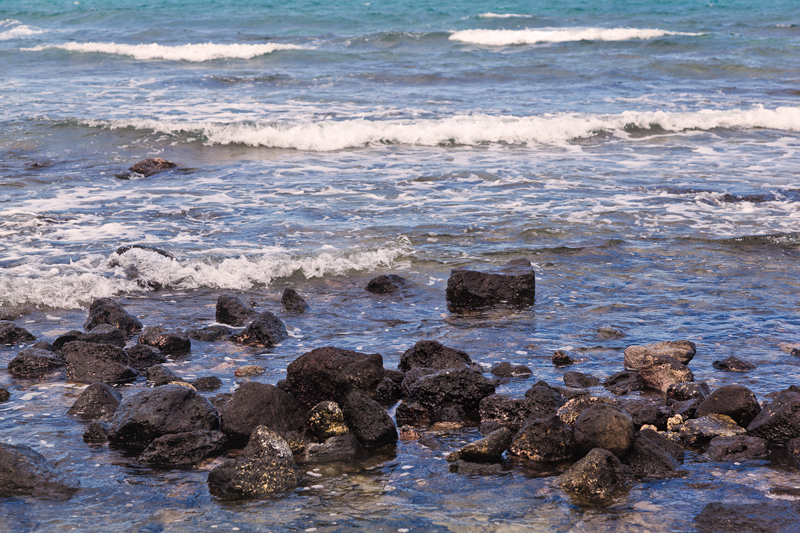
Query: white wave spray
{"points": [[19, 30], [188, 52], [558, 35]]}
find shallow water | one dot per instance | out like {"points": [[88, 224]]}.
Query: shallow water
{"points": [[650, 176]]}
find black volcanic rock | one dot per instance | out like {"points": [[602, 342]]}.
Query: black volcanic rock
{"points": [[31, 362], [513, 283], [25, 472], [12, 334], [88, 362], [265, 331], [153, 165], [231, 311], [108, 311], [98, 400], [385, 284], [293, 302], [435, 355]]}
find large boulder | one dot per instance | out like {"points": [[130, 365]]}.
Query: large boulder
{"points": [[433, 354], [31, 362], [102, 334], [293, 302], [779, 422], [231, 311], [166, 342], [488, 449], [596, 478], [331, 373], [367, 420], [88, 362], [108, 311], [736, 401], [258, 404], [681, 351], [572, 409], [544, 439], [462, 387], [265, 331], [737, 448], [661, 371], [150, 413], [604, 426], [183, 449], [98, 400], [11, 334], [25, 472], [501, 410], [513, 283]]}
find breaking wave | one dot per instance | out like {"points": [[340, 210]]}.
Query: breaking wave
{"points": [[188, 52], [557, 35]]}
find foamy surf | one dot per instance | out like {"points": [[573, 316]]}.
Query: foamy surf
{"points": [[462, 130], [502, 16], [18, 31], [77, 284], [194, 53], [558, 35]]}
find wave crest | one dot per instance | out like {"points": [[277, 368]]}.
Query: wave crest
{"points": [[194, 53], [558, 35]]}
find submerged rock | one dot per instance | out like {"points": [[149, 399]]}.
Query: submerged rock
{"points": [[98, 400], [102, 334], [249, 371], [562, 358], [166, 342], [733, 364], [109, 311], [4, 395], [265, 331], [433, 354], [736, 401], [25, 472], [31, 362], [12, 334], [544, 439], [385, 284], [293, 302], [231, 311], [183, 449], [513, 283], [153, 165], [596, 478], [739, 517], [253, 478], [209, 333], [489, 449], [738, 448], [507, 370], [88, 362]]}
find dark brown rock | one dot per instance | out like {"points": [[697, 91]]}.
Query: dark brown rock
{"points": [[544, 400], [680, 351], [779, 422], [546, 439], [738, 448], [736, 401], [183, 449], [24, 472], [108, 311], [258, 404], [265, 331], [231, 311], [4, 395], [576, 380], [624, 382], [367, 420], [161, 375], [412, 376], [98, 400], [509, 412], [681, 392], [562, 358], [96, 432], [11, 334], [252, 478], [43, 345], [698, 432], [206, 383], [31, 362], [670, 446], [167, 342], [596, 478], [293, 302], [733, 364], [266, 444], [412, 413], [507, 370], [388, 392], [101, 334], [385, 284], [647, 459], [647, 413], [488, 449], [88, 362], [433, 354], [610, 333], [570, 411], [659, 372], [462, 387], [141, 357], [153, 165], [739, 517], [335, 449], [209, 333], [604, 426], [514, 283]]}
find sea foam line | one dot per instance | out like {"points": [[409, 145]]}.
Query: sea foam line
{"points": [[187, 52], [503, 16], [475, 129], [558, 35], [17, 32]]}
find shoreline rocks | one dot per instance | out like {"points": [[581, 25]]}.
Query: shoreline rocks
{"points": [[514, 283]]}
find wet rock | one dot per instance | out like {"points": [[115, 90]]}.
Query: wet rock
{"points": [[142, 357], [231, 311], [4, 395], [738, 517], [738, 448], [462, 387], [686, 409], [388, 392], [561, 358], [248, 371], [643, 413], [108, 311], [507, 370], [209, 333], [502, 410], [96, 432], [395, 375], [544, 439], [736, 401], [293, 302], [220, 400], [576, 380], [450, 413], [258, 404], [596, 478], [662, 371], [544, 400], [687, 391], [31, 362], [265, 331], [331, 373], [624, 382], [409, 433], [698, 432], [385, 284], [102, 334], [326, 420], [43, 345], [668, 445], [252, 478], [412, 376], [11, 334], [733, 364], [150, 166], [88, 362], [266, 444], [434, 355], [638, 356], [161, 375], [476, 469], [98, 400], [367, 420], [514, 283], [9, 315], [122, 249], [168, 343], [648, 459], [24, 472], [489, 449], [570, 411], [151, 413], [779, 422], [412, 413], [206, 383], [338, 448], [183, 449], [610, 333], [604, 426]]}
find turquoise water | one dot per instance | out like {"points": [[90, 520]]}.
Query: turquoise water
{"points": [[643, 155]]}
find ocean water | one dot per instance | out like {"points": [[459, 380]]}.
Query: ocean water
{"points": [[644, 156]]}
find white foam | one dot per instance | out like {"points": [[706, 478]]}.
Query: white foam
{"points": [[18, 32], [188, 52], [558, 35], [475, 129], [502, 16]]}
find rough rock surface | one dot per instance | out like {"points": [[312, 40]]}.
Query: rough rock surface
{"points": [[648, 459], [209, 333], [96, 432], [738, 517], [98, 400], [142, 357], [562, 358], [736, 401], [108, 311], [697, 432], [604, 426], [331, 373], [624, 382], [265, 331], [253, 478], [367, 420], [411, 413], [153, 165], [739, 448], [779, 422], [643, 413], [88, 362], [670, 446], [249, 371], [514, 283], [168, 343], [659, 372], [462, 387], [230, 310], [544, 439], [502, 410], [183, 449], [4, 395], [266, 444], [681, 392], [31, 362], [576, 380], [326, 420], [161, 375], [258, 404], [543, 400], [681, 351], [733, 364], [25, 472], [596, 478], [151, 413], [433, 354], [385, 284], [206, 383], [293, 302], [12, 334], [489, 449], [101, 334], [339, 448], [507, 370]]}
